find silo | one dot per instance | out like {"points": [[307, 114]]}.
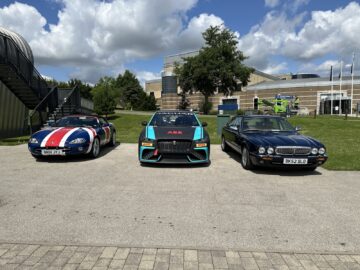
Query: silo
{"points": [[169, 83]]}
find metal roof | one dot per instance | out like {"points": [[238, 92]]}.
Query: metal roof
{"points": [[20, 42], [297, 83]]}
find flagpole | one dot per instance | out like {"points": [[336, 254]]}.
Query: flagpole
{"points": [[332, 90], [341, 67], [352, 84]]}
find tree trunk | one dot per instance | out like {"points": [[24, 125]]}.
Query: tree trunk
{"points": [[206, 104]]}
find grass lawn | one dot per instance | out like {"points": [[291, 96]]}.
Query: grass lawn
{"points": [[14, 141], [341, 138]]}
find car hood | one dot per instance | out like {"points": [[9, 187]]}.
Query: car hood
{"points": [[58, 137], [282, 139], [175, 133]]}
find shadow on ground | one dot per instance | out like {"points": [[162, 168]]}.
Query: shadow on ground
{"points": [[281, 171], [77, 158]]}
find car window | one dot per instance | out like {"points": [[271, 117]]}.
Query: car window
{"points": [[168, 119], [235, 122], [77, 121], [102, 121], [266, 124]]}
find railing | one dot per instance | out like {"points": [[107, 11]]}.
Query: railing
{"points": [[50, 100], [72, 100], [12, 55]]}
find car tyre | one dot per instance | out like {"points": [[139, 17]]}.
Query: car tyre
{"points": [[113, 139], [245, 159], [95, 150], [224, 146]]}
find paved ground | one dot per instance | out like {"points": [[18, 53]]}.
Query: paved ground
{"points": [[23, 257], [114, 201]]}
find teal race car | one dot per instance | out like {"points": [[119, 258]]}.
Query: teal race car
{"points": [[174, 137]]}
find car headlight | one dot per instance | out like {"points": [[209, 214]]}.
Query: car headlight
{"points": [[262, 150], [322, 150], [147, 144], [33, 140], [201, 145], [270, 150], [314, 151], [78, 140]]}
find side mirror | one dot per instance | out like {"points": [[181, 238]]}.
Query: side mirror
{"points": [[297, 128], [204, 124], [144, 123]]}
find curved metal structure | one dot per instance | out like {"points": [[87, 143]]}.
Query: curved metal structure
{"points": [[20, 42]]}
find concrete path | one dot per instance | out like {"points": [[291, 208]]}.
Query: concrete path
{"points": [[114, 201]]}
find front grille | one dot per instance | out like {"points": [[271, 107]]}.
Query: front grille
{"points": [[293, 150], [174, 146]]}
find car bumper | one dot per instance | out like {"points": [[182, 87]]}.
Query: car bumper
{"points": [[193, 156], [78, 149], [278, 161]]}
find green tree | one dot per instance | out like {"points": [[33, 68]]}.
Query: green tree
{"points": [[132, 95], [105, 96], [184, 102], [85, 89], [218, 66]]}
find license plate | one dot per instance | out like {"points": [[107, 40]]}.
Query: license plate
{"points": [[296, 161], [52, 152]]}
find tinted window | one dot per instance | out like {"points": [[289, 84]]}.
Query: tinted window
{"points": [[174, 119], [77, 121], [235, 122], [266, 124]]}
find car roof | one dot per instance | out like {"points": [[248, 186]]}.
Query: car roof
{"points": [[260, 115], [81, 115], [174, 111]]}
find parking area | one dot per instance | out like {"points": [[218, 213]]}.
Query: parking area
{"points": [[112, 200]]}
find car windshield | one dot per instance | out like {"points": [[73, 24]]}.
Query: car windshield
{"points": [[178, 119], [275, 124], [77, 121]]}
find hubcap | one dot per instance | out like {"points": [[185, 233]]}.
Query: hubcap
{"points": [[244, 157], [96, 147]]}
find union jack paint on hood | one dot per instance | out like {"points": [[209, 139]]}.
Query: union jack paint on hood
{"points": [[60, 137]]}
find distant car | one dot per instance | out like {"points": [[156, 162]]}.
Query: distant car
{"points": [[271, 141], [174, 137], [73, 135]]}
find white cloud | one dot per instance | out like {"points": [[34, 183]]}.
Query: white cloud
{"points": [[326, 32], [266, 39], [276, 68], [272, 3], [96, 37], [143, 76], [31, 25], [289, 36]]}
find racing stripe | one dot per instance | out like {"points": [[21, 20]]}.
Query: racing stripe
{"points": [[45, 140], [55, 139], [107, 134], [92, 134], [66, 136]]}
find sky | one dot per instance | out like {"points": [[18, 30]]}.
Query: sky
{"points": [[88, 39]]}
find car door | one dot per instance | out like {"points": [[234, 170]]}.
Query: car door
{"points": [[105, 131], [231, 131]]}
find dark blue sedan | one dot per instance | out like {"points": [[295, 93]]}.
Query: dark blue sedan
{"points": [[271, 141]]}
